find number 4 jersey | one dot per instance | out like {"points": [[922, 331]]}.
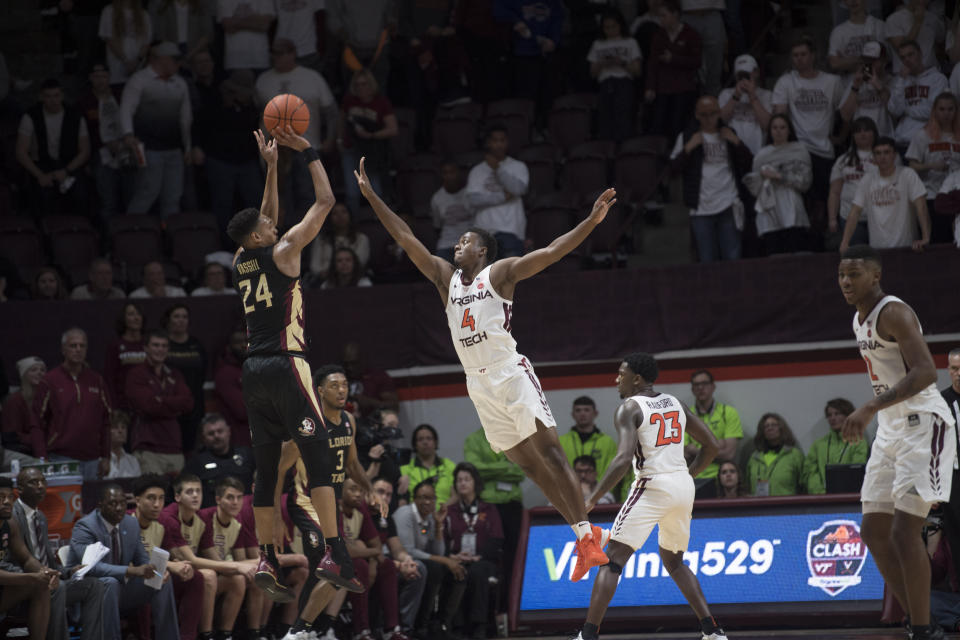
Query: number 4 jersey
{"points": [[660, 435], [272, 303], [479, 321]]}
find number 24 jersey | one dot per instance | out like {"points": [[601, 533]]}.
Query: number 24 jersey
{"points": [[660, 435]]}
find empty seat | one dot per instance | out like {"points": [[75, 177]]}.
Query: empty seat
{"points": [[468, 160], [586, 167], [136, 239], [516, 114], [402, 144], [639, 165], [570, 120], [469, 110], [544, 225], [192, 236], [452, 136], [540, 161], [605, 236], [21, 242], [416, 184]]}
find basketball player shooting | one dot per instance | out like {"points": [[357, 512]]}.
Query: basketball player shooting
{"points": [[478, 294], [911, 460], [652, 425], [277, 389]]}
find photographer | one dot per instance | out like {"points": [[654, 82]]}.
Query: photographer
{"points": [[869, 90], [377, 456], [747, 106]]}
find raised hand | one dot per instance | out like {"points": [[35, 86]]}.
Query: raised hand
{"points": [[268, 150], [602, 205], [360, 173], [289, 138], [376, 500]]}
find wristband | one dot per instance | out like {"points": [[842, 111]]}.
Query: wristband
{"points": [[310, 154]]}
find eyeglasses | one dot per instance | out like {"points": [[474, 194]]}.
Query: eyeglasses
{"points": [[700, 384]]}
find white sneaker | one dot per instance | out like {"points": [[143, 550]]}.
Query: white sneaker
{"points": [[302, 635], [579, 637], [716, 635]]}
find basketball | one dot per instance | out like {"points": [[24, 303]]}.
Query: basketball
{"points": [[286, 109]]}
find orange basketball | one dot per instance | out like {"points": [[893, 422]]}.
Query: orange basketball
{"points": [[286, 109]]}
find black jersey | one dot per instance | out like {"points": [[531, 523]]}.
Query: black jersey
{"points": [[339, 439], [5, 554], [272, 302]]}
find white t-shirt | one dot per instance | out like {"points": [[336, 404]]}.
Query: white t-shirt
{"points": [[131, 43], [622, 49], [744, 121], [812, 103], [54, 125], [911, 100], [452, 214], [870, 104], [925, 151], [718, 189], [296, 23], [851, 176], [245, 49], [887, 201], [933, 31], [952, 183], [487, 191], [847, 39], [305, 83]]}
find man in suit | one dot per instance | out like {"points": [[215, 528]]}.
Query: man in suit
{"points": [[88, 591], [127, 565]]}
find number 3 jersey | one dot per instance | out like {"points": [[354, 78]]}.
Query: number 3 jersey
{"points": [[660, 435], [479, 321], [886, 367], [272, 303]]}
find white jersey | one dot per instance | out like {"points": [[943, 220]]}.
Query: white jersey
{"points": [[885, 368], [660, 436], [479, 321]]}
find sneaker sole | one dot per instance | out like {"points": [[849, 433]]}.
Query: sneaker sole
{"points": [[276, 591], [339, 581]]}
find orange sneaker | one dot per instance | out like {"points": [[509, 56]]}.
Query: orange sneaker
{"points": [[589, 554]]}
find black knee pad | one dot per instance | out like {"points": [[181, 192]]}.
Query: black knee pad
{"points": [[614, 568]]}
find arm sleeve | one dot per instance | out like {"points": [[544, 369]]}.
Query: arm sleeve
{"points": [[862, 195], [731, 423], [477, 193], [896, 104], [82, 537], [206, 540], [812, 476], [172, 536], [781, 91], [915, 185]]}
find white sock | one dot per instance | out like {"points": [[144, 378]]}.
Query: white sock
{"points": [[581, 529]]}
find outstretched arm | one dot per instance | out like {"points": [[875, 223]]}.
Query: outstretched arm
{"points": [[509, 271], [625, 420], [269, 207], [437, 270], [287, 251]]}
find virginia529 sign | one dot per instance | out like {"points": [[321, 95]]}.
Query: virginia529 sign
{"points": [[752, 559]]}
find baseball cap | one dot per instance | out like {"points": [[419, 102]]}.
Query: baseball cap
{"points": [[872, 50], [745, 62]]}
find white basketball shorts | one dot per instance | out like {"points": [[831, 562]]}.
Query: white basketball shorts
{"points": [[910, 465], [509, 401], [664, 499]]}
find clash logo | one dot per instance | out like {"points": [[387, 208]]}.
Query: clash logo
{"points": [[835, 555]]}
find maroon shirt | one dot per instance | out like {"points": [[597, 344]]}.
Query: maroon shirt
{"points": [[227, 387], [71, 416], [680, 74], [16, 417], [486, 524], [157, 402], [121, 355]]}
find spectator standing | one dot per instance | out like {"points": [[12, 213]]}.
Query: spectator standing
{"points": [[912, 94], [297, 22], [473, 534], [155, 284], [227, 387], [868, 93], [345, 271], [122, 464], [363, 29], [487, 42], [782, 172], [811, 98], [776, 466], [671, 82], [747, 105], [158, 396], [730, 482], [339, 231], [713, 161], [615, 64], [934, 153], [427, 465], [586, 469], [126, 30], [18, 406], [495, 188], [53, 146], [218, 458], [188, 355], [99, 284], [914, 20], [848, 39], [214, 282], [124, 352], [246, 24], [831, 448], [72, 412], [722, 419], [186, 23], [706, 18], [846, 175], [287, 76], [155, 116], [48, 285], [223, 144], [451, 211], [886, 197], [127, 563], [367, 123], [88, 592], [370, 388]]}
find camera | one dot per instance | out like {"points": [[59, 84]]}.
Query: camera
{"points": [[370, 434]]}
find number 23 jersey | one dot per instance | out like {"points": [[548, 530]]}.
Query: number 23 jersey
{"points": [[660, 435], [479, 321]]}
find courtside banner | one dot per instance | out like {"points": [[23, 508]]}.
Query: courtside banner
{"points": [[737, 558]]}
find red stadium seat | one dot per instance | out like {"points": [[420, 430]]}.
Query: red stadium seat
{"points": [[192, 236], [570, 120], [586, 167], [541, 163], [21, 242], [544, 225], [516, 114], [402, 144], [136, 239], [452, 136], [418, 180], [638, 166]]}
